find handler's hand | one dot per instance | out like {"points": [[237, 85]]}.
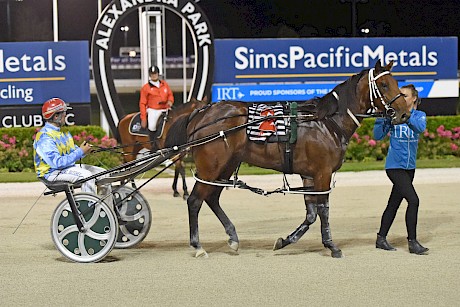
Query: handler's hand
{"points": [[86, 147], [144, 124]]}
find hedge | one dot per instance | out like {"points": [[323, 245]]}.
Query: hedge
{"points": [[440, 140], [16, 147]]}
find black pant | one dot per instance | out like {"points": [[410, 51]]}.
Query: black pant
{"points": [[402, 189]]}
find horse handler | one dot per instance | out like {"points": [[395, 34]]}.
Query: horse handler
{"points": [[400, 169]]}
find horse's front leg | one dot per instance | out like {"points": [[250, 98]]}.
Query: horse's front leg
{"points": [[323, 212], [301, 230], [310, 204]]}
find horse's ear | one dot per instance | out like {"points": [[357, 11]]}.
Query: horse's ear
{"points": [[378, 66], [389, 66]]}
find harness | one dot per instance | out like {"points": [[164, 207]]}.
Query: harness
{"points": [[374, 92]]}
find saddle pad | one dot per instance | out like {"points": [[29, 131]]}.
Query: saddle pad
{"points": [[268, 130], [135, 127]]}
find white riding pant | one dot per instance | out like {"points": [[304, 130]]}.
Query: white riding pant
{"points": [[152, 118], [80, 171]]}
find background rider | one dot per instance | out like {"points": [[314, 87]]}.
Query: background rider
{"points": [[156, 97]]}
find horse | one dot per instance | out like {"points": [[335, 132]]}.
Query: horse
{"points": [[133, 143], [219, 144]]}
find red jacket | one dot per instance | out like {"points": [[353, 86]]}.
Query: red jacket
{"points": [[154, 98]]}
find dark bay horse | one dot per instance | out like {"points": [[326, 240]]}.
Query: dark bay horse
{"points": [[317, 153], [134, 143]]}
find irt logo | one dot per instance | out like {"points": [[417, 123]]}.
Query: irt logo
{"points": [[228, 93]]}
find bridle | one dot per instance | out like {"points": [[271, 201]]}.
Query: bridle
{"points": [[374, 92]]}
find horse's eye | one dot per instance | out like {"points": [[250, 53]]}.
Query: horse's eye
{"points": [[384, 85]]}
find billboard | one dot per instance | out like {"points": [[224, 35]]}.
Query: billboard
{"points": [[304, 91], [326, 59], [33, 72]]}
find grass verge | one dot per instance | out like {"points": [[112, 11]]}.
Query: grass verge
{"points": [[253, 170]]}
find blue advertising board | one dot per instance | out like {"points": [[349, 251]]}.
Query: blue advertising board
{"points": [[325, 59], [306, 91], [33, 72]]}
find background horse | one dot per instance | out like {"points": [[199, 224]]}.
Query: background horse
{"points": [[316, 155], [134, 143]]}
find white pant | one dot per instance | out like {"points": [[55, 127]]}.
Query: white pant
{"points": [[152, 118], [80, 171]]}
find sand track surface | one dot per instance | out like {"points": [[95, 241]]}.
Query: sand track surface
{"points": [[162, 270]]}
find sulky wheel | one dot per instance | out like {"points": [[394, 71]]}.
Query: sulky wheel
{"points": [[99, 234], [134, 216]]}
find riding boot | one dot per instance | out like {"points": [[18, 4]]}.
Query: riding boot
{"points": [[382, 243], [152, 139], [416, 248]]}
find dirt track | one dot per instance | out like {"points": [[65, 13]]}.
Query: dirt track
{"points": [[163, 272]]}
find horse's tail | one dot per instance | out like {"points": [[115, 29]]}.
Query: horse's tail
{"points": [[116, 135], [177, 134], [122, 128]]}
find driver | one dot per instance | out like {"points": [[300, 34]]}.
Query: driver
{"points": [[55, 153]]}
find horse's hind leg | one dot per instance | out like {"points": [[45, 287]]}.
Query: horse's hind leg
{"points": [[194, 203], [323, 212], [184, 183], [214, 204], [211, 195], [174, 185]]}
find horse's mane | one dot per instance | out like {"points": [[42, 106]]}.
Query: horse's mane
{"points": [[178, 108], [177, 133], [328, 104]]}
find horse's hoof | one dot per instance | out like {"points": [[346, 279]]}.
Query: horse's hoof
{"points": [[337, 254], [278, 244], [185, 197], [201, 253], [233, 245], [176, 194]]}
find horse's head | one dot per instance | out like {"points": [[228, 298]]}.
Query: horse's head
{"points": [[384, 94], [173, 115]]}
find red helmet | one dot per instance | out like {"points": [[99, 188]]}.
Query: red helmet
{"points": [[53, 106]]}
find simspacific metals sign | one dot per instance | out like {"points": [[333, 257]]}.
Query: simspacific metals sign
{"points": [[33, 72], [326, 59]]}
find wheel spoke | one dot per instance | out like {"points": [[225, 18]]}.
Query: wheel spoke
{"points": [[66, 231]]}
